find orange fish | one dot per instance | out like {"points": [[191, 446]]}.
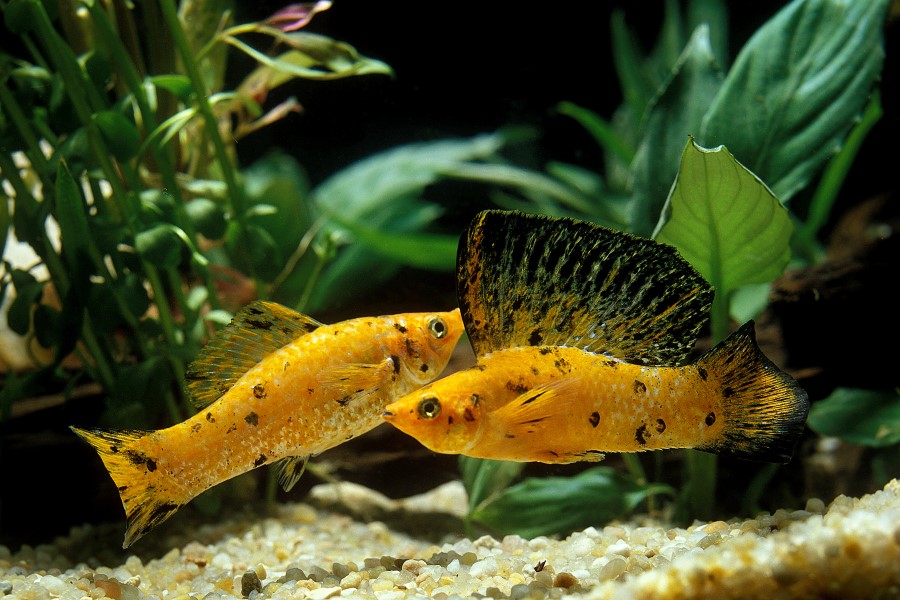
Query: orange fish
{"points": [[580, 333], [275, 386]]}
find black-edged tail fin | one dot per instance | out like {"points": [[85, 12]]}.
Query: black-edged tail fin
{"points": [[765, 408], [132, 470]]}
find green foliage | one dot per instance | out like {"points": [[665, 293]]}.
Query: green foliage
{"points": [[864, 417], [126, 145], [788, 112]]}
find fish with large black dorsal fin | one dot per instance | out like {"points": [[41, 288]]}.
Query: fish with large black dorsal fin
{"points": [[579, 333]]}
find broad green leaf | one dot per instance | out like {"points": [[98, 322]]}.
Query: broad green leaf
{"points": [[421, 250], [560, 505], [671, 117], [725, 221], [207, 217], [121, 136], [28, 294], [714, 14], [368, 185], [484, 478], [865, 417], [797, 87], [180, 85], [159, 245]]}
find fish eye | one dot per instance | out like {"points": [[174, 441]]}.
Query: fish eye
{"points": [[429, 407], [437, 327]]}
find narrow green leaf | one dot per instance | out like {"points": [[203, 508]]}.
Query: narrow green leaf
{"points": [[180, 85], [865, 417], [671, 117], [725, 221], [797, 87], [484, 478], [71, 216], [601, 130]]}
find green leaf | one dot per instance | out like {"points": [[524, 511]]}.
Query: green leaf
{"points": [[483, 479], [725, 221], [671, 117], [159, 245], [72, 217], [560, 505], [28, 293], [600, 129], [121, 136], [207, 217], [797, 87], [180, 85], [421, 250], [865, 417]]}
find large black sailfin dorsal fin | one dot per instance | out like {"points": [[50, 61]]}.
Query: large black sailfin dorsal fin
{"points": [[530, 280], [257, 330]]}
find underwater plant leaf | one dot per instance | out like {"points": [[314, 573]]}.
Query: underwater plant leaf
{"points": [[121, 136], [422, 250], [72, 217], [725, 221], [312, 57], [714, 14], [180, 85], [600, 129], [483, 478], [560, 505], [865, 417], [671, 117], [796, 89], [207, 217], [159, 245]]}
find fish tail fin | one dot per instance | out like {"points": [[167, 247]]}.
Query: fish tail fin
{"points": [[132, 469], [765, 408]]}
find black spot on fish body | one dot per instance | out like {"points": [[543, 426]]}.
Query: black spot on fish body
{"points": [[399, 327], [343, 401], [195, 427], [509, 436], [264, 325], [260, 461], [553, 454], [535, 338], [468, 415], [727, 392], [210, 417], [639, 387], [411, 349], [232, 427], [252, 419], [702, 372], [480, 367], [611, 363], [259, 391], [594, 418], [449, 419], [534, 371], [151, 465], [660, 425], [545, 351], [310, 391], [710, 418], [424, 368], [533, 421], [519, 388], [396, 360], [639, 434]]}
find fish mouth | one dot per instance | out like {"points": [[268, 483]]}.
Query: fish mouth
{"points": [[387, 415]]}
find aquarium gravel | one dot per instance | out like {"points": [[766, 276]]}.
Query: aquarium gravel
{"points": [[847, 549]]}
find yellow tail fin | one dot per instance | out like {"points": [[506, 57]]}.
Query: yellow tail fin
{"points": [[765, 408], [146, 506]]}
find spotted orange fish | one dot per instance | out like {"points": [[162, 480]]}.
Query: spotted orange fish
{"points": [[580, 334], [275, 387]]}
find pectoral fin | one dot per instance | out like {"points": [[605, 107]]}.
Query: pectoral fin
{"points": [[537, 408], [360, 381]]}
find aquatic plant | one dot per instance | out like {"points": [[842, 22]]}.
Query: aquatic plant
{"points": [[789, 114], [119, 164]]}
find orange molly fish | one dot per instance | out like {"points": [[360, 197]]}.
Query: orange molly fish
{"points": [[275, 386], [580, 334]]}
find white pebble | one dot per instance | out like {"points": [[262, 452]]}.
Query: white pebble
{"points": [[484, 568]]}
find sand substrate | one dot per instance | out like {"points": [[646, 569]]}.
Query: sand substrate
{"points": [[848, 549]]}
